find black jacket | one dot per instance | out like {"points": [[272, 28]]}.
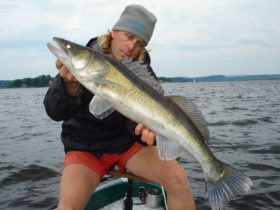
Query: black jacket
{"points": [[80, 129]]}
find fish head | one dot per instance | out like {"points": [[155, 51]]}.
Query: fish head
{"points": [[72, 55], [83, 62]]}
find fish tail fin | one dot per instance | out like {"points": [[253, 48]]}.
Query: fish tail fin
{"points": [[231, 183]]}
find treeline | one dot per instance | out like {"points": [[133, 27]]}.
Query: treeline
{"points": [[164, 79], [4, 83], [40, 81]]}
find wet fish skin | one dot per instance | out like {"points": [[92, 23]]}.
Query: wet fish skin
{"points": [[176, 120]]}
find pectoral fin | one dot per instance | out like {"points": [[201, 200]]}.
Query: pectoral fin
{"points": [[168, 149], [100, 108]]}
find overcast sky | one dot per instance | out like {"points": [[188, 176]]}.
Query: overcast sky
{"points": [[192, 37]]}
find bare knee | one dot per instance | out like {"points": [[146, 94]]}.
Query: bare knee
{"points": [[66, 206], [176, 180], [178, 189]]}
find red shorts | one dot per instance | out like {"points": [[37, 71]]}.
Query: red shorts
{"points": [[102, 164]]}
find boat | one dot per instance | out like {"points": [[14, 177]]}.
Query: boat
{"points": [[128, 192]]}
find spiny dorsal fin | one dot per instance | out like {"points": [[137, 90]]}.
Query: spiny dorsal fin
{"points": [[192, 111], [141, 71]]}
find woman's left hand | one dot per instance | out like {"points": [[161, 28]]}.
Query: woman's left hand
{"points": [[147, 135]]}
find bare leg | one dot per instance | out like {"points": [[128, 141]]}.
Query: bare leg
{"points": [[170, 174], [76, 186]]}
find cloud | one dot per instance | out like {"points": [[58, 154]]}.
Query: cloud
{"points": [[194, 37]]}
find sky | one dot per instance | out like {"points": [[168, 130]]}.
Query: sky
{"points": [[192, 38]]}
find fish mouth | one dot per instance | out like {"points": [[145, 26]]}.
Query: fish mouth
{"points": [[69, 53], [59, 48]]}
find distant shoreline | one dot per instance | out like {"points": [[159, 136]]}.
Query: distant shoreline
{"points": [[221, 78], [212, 78], [39, 81]]}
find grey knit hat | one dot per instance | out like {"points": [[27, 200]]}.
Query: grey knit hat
{"points": [[137, 20]]}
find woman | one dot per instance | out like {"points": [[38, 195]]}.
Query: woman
{"points": [[92, 145]]}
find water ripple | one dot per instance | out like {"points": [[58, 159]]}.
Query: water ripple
{"points": [[243, 120], [29, 173]]}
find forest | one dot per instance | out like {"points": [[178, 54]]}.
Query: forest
{"points": [[39, 81]]}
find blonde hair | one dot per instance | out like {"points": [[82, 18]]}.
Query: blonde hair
{"points": [[104, 43]]}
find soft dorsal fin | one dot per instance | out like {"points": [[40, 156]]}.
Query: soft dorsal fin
{"points": [[168, 149], [192, 111], [141, 71]]}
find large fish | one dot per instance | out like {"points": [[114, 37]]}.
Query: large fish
{"points": [[129, 88]]}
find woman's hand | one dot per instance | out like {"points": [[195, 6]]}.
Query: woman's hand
{"points": [[148, 135], [71, 83]]}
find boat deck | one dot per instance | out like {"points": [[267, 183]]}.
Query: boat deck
{"points": [[137, 205], [110, 196]]}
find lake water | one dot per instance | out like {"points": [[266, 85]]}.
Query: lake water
{"points": [[244, 124]]}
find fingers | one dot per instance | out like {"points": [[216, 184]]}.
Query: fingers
{"points": [[58, 64], [138, 129], [64, 72], [147, 136]]}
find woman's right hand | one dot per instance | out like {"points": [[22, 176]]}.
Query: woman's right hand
{"points": [[71, 83], [64, 72]]}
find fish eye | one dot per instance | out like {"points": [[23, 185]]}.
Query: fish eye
{"points": [[68, 46]]}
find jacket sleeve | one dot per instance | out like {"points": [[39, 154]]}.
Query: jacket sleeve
{"points": [[59, 104]]}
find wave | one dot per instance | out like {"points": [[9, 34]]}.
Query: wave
{"points": [[234, 108], [275, 149], [266, 167], [218, 123], [236, 122], [29, 173], [244, 122], [266, 119], [257, 201]]}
